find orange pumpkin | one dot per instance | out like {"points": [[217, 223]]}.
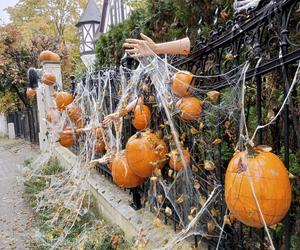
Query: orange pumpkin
{"points": [[271, 184], [190, 108], [79, 124], [141, 117], [66, 139], [122, 175], [63, 99], [145, 151], [182, 84], [74, 112], [30, 92], [98, 133], [99, 146], [109, 165], [49, 79], [49, 56], [176, 161]]}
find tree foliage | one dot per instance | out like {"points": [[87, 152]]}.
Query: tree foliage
{"points": [[163, 20], [37, 25]]}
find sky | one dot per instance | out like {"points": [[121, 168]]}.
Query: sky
{"points": [[4, 4]]}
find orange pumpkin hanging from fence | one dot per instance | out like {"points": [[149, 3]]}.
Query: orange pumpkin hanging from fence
{"points": [[122, 174], [79, 124], [145, 151], [30, 92], [271, 186], [142, 115], [66, 137], [182, 83], [99, 146], [50, 56], [49, 79], [74, 112], [176, 161], [52, 115], [190, 108], [63, 99]]}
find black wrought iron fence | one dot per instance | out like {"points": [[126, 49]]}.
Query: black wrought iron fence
{"points": [[268, 39], [26, 124]]}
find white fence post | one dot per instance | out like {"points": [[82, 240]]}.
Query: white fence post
{"points": [[3, 126], [45, 100]]}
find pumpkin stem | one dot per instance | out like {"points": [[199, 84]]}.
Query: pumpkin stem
{"points": [[138, 134]]}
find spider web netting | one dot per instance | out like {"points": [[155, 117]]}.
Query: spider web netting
{"points": [[192, 196]]}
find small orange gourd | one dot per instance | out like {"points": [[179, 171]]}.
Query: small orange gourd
{"points": [[122, 175], [270, 182], [63, 99], [176, 161], [145, 151], [190, 108], [50, 117], [141, 118], [182, 84], [49, 56], [66, 138], [30, 92], [49, 79]]}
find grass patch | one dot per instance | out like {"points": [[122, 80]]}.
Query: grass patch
{"points": [[80, 231]]}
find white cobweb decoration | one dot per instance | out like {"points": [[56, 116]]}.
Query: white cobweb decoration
{"points": [[240, 5], [190, 196]]}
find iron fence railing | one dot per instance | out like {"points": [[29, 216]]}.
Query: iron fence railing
{"points": [[26, 124], [267, 38]]}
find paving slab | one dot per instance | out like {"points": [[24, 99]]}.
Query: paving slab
{"points": [[15, 216]]}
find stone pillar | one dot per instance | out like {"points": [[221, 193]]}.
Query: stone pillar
{"points": [[3, 126], [45, 100], [11, 131]]}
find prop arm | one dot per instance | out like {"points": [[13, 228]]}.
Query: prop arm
{"points": [[147, 47]]}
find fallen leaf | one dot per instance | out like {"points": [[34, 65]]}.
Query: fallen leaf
{"points": [[195, 169], [213, 95], [160, 198], [168, 211], [210, 227], [157, 223], [214, 212], [194, 131], [193, 210], [291, 176], [209, 165], [196, 184], [202, 200], [217, 141], [264, 148], [229, 57], [180, 199]]}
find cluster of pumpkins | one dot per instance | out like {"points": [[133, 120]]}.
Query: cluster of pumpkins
{"points": [[48, 78], [253, 178], [190, 107], [144, 153]]}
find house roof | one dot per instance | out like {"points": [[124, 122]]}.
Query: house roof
{"points": [[90, 14]]}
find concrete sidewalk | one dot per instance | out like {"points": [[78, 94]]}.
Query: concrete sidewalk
{"points": [[15, 215]]}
